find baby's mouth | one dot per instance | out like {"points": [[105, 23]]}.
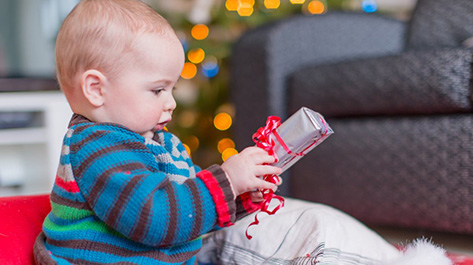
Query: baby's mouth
{"points": [[161, 125]]}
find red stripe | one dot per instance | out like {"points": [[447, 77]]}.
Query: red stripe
{"points": [[70, 186], [223, 212]]}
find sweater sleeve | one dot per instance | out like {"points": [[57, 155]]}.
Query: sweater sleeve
{"points": [[119, 178], [244, 206]]}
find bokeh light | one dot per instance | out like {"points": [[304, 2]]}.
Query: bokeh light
{"points": [[297, 2], [316, 7], [232, 5], [224, 144], [247, 2], [196, 55], [189, 70], [272, 4], [227, 153], [245, 9], [193, 142], [187, 149], [187, 119], [369, 6], [222, 121], [210, 67], [200, 31]]}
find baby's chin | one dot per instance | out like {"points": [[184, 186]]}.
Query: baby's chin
{"points": [[148, 134]]}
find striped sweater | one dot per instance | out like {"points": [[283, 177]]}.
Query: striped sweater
{"points": [[120, 198]]}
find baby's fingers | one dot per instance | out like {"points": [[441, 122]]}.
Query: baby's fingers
{"points": [[263, 158], [262, 184], [262, 170]]}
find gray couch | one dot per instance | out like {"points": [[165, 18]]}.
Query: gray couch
{"points": [[398, 96]]}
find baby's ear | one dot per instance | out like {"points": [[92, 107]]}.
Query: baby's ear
{"points": [[92, 84]]}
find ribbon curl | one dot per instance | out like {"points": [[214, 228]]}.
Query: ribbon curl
{"points": [[263, 139]]}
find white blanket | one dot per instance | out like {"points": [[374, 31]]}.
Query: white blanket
{"points": [[310, 233]]}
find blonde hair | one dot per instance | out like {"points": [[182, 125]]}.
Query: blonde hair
{"points": [[100, 34]]}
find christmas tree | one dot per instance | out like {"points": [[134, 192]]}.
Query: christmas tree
{"points": [[207, 29]]}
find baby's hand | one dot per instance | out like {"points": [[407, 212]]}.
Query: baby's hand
{"points": [[244, 169]]}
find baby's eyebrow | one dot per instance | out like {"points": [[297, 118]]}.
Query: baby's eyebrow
{"points": [[161, 81]]}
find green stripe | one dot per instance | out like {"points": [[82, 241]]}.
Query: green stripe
{"points": [[77, 223], [69, 213]]}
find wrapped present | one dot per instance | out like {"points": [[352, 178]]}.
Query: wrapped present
{"points": [[288, 142], [292, 140]]}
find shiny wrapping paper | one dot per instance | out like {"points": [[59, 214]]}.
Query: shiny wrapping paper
{"points": [[288, 142], [300, 133]]}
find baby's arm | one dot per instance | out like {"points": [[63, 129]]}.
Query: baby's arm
{"points": [[118, 177]]}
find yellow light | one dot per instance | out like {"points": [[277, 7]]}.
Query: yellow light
{"points": [[200, 31], [245, 9], [222, 121], [247, 2], [227, 153], [193, 142], [196, 55], [189, 71], [187, 149], [297, 2], [232, 5], [224, 144], [316, 7], [272, 4]]}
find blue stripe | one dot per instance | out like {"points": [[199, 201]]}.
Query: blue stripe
{"points": [[105, 238], [209, 213], [187, 214], [132, 211]]}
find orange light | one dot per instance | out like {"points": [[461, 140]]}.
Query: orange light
{"points": [[272, 4], [224, 144], [232, 5], [196, 55], [247, 2], [297, 2], [187, 149], [222, 121], [189, 71], [245, 9], [227, 153], [186, 119], [316, 7], [200, 31], [193, 142]]}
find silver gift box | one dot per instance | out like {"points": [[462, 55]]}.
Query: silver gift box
{"points": [[301, 133]]}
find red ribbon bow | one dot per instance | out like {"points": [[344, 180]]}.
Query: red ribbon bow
{"points": [[263, 139]]}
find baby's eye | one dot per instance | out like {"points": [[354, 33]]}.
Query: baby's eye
{"points": [[157, 91]]}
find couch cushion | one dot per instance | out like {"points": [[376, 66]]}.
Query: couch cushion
{"points": [[412, 172], [440, 23], [415, 82]]}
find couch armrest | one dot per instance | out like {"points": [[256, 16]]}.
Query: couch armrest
{"points": [[435, 81], [264, 57]]}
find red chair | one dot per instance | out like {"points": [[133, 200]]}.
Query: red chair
{"points": [[21, 219]]}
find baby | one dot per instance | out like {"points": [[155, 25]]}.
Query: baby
{"points": [[126, 191]]}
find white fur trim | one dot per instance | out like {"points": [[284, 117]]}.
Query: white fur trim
{"points": [[422, 252]]}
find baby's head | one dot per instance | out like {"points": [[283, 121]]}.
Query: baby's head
{"points": [[118, 61]]}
